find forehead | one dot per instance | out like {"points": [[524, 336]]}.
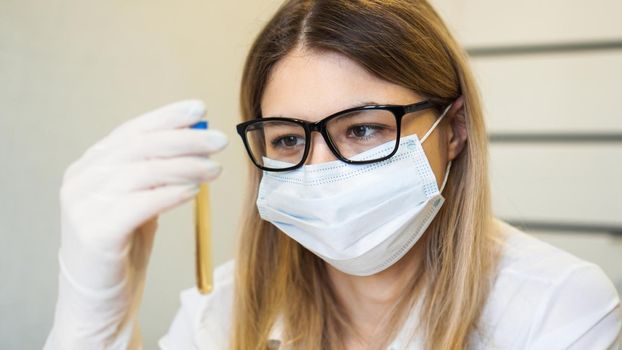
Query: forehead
{"points": [[310, 85]]}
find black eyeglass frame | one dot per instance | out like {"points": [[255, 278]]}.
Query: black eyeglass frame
{"points": [[320, 126]]}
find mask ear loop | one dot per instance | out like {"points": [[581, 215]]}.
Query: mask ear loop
{"points": [[436, 123], [428, 134]]}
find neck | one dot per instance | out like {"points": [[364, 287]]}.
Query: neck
{"points": [[370, 300]]}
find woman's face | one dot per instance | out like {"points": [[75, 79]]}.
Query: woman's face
{"points": [[311, 85]]}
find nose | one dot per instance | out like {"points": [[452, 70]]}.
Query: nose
{"points": [[319, 152]]}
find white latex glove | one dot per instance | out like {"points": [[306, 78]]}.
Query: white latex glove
{"points": [[110, 201]]}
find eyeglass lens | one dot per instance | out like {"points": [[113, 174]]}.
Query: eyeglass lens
{"points": [[279, 144]]}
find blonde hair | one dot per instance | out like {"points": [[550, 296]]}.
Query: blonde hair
{"points": [[404, 42]]}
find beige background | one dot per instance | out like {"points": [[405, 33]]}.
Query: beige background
{"points": [[71, 71]]}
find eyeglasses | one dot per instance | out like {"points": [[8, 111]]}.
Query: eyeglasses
{"points": [[282, 144]]}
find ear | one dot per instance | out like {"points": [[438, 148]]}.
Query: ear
{"points": [[457, 130]]}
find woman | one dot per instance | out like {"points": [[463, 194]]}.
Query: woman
{"points": [[368, 224]]}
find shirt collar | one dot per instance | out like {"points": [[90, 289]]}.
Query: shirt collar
{"points": [[405, 339]]}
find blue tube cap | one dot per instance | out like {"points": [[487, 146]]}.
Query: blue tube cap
{"points": [[200, 125]]}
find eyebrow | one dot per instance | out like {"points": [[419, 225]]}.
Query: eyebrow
{"points": [[355, 105], [361, 104]]}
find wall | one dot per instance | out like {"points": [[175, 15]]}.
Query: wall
{"points": [[550, 74], [71, 71]]}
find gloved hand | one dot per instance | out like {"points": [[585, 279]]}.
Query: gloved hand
{"points": [[110, 201]]}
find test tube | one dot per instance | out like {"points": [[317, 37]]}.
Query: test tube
{"points": [[203, 233]]}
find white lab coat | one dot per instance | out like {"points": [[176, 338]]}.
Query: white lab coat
{"points": [[542, 298]]}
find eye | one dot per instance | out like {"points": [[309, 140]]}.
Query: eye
{"points": [[363, 130], [287, 141]]}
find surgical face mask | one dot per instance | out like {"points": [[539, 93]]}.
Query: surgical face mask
{"points": [[361, 219]]}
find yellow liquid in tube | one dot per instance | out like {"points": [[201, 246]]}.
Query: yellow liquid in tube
{"points": [[203, 240]]}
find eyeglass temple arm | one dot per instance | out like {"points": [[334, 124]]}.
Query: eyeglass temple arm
{"points": [[421, 106]]}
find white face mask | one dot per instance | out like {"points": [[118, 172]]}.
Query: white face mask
{"points": [[361, 219]]}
